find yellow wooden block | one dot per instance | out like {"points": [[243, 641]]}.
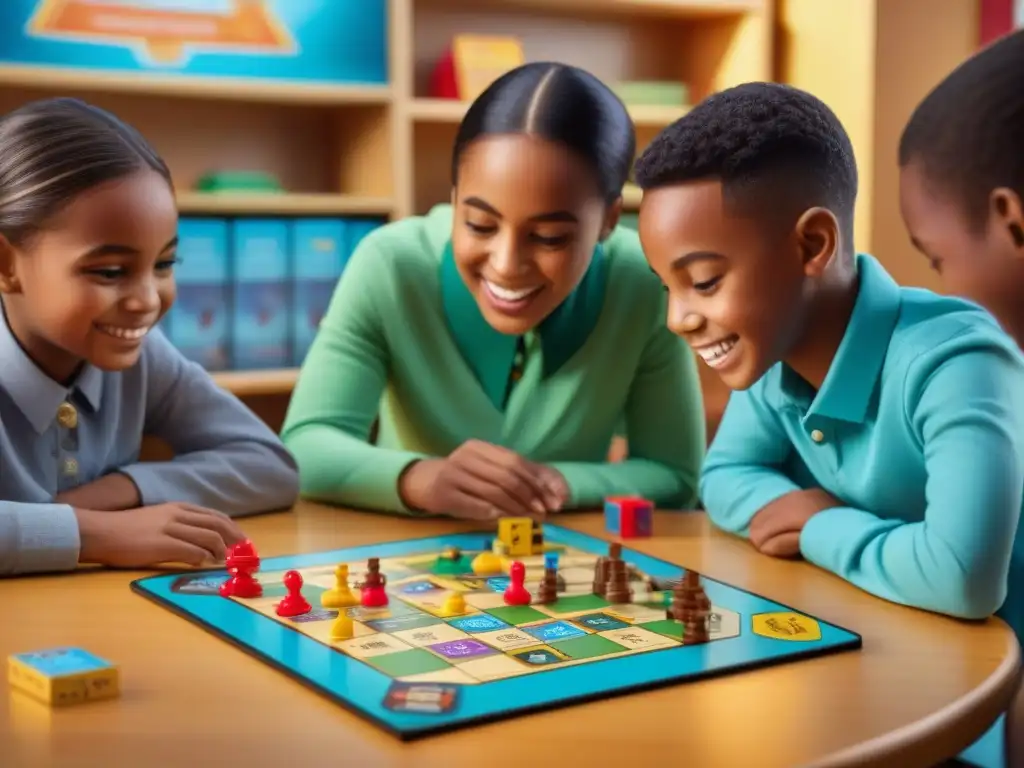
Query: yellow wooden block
{"points": [[516, 533], [63, 676]]}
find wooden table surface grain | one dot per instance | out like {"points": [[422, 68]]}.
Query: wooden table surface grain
{"points": [[921, 689]]}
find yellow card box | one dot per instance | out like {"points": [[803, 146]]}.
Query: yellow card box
{"points": [[63, 676], [481, 59]]}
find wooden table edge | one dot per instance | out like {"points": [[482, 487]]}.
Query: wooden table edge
{"points": [[944, 734]]}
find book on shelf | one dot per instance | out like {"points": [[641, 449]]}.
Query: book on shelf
{"points": [[252, 289]]}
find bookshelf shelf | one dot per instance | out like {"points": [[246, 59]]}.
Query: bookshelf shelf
{"points": [[234, 89], [425, 110], [258, 383], [287, 204], [666, 9]]}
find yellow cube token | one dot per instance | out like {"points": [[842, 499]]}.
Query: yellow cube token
{"points": [[63, 676]]}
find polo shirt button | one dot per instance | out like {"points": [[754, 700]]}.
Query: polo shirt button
{"points": [[817, 436], [70, 467]]}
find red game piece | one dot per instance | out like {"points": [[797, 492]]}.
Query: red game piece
{"points": [[373, 593], [242, 562], [293, 604], [517, 594]]}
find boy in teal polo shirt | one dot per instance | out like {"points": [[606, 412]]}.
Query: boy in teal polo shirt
{"points": [[876, 430]]}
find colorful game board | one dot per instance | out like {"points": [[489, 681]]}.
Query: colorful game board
{"points": [[415, 669]]}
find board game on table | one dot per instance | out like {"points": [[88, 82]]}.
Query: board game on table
{"points": [[444, 635]]}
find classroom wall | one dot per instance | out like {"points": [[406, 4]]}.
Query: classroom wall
{"points": [[872, 61]]}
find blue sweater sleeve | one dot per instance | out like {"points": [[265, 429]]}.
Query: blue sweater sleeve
{"points": [[744, 471], [967, 413]]}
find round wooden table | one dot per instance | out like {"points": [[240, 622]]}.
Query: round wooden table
{"points": [[922, 688]]}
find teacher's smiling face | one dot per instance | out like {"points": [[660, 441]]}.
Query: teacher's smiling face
{"points": [[528, 215]]}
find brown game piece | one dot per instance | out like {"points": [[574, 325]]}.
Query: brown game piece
{"points": [[617, 589], [614, 551], [547, 593], [692, 608], [600, 576]]}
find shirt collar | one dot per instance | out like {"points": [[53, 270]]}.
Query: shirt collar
{"points": [[35, 394], [846, 393], [490, 354]]}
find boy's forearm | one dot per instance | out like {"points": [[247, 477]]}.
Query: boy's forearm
{"points": [[112, 492], [734, 494]]}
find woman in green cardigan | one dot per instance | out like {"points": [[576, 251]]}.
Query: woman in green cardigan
{"points": [[501, 340]]}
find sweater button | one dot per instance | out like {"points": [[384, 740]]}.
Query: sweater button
{"points": [[817, 436]]}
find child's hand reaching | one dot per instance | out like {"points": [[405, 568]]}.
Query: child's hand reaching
{"points": [[481, 481], [149, 536]]}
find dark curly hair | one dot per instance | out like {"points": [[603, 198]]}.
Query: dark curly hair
{"points": [[775, 149], [966, 134]]}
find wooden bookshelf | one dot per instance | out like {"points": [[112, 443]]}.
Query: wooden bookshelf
{"points": [[385, 150], [892, 52]]}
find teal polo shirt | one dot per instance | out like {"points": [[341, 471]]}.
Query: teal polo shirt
{"points": [[918, 429]]}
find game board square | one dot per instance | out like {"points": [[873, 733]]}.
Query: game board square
{"points": [[505, 639], [517, 615], [202, 584], [638, 638], [485, 600], [575, 603], [419, 587], [447, 675], [373, 645], [601, 621], [665, 627], [395, 624], [461, 649], [538, 656], [554, 630], [415, 661], [431, 635], [498, 584], [587, 647], [317, 614], [481, 622], [495, 667]]}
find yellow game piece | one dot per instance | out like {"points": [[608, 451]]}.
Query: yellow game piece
{"points": [[342, 628], [487, 564], [517, 534], [63, 676], [454, 604], [341, 595]]}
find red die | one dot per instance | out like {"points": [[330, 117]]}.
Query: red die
{"points": [[629, 516]]}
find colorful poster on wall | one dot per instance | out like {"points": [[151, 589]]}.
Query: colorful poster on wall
{"points": [[313, 40], [998, 18]]}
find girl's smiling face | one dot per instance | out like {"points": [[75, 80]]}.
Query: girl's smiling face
{"points": [[96, 278], [528, 215]]}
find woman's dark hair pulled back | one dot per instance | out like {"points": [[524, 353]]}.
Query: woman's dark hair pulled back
{"points": [[53, 150], [562, 104]]}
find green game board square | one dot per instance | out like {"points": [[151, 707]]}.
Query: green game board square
{"points": [[517, 614], [274, 589], [414, 662], [579, 603], [587, 647], [665, 627]]}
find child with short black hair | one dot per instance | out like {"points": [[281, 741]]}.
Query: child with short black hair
{"points": [[88, 234], [876, 430], [962, 180], [962, 201]]}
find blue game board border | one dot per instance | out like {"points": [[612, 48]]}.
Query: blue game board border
{"points": [[361, 689]]}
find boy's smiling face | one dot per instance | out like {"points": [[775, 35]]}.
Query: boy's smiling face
{"points": [[737, 289]]}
